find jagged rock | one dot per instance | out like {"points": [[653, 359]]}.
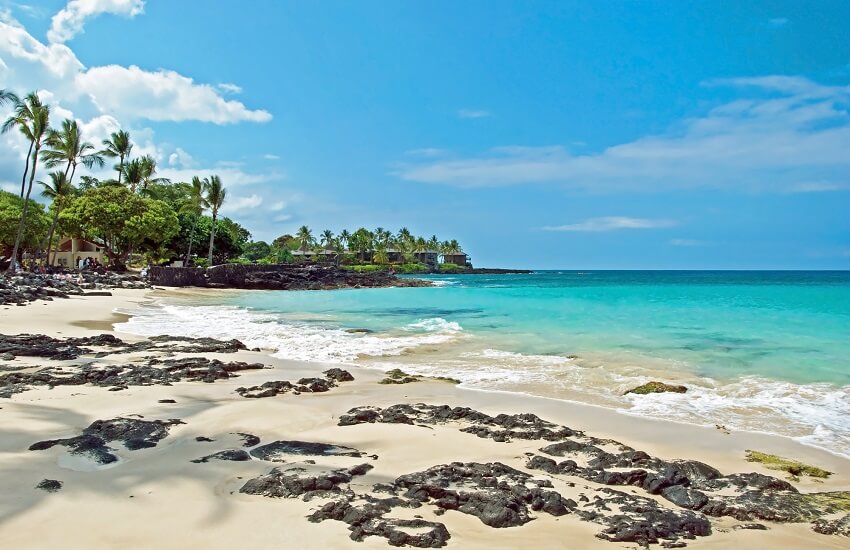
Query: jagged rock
{"points": [[840, 526], [49, 485], [272, 452], [304, 385], [248, 440], [234, 455], [278, 483], [338, 375], [135, 434]]}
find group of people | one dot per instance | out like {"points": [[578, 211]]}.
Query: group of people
{"points": [[87, 263]]}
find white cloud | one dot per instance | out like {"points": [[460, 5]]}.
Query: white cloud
{"points": [[269, 156], [784, 131], [229, 88], [161, 95], [241, 204], [278, 206], [612, 223], [472, 113], [181, 159], [282, 218], [687, 242], [69, 21]]}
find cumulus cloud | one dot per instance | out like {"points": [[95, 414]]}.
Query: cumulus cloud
{"points": [[127, 93], [161, 95], [782, 132], [612, 223], [472, 113], [70, 20]]}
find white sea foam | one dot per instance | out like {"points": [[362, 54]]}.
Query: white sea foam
{"points": [[814, 414], [288, 339]]}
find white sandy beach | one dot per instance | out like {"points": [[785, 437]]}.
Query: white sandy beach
{"points": [[157, 498]]}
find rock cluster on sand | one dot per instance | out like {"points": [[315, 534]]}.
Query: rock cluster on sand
{"points": [[153, 371], [28, 287], [689, 485], [304, 385], [134, 433]]}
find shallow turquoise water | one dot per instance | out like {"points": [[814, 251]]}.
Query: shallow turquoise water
{"points": [[765, 351]]}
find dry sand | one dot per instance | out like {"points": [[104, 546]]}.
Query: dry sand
{"points": [[157, 498]]}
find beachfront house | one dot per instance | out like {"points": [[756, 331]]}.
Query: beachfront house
{"points": [[457, 258], [71, 250], [427, 257]]}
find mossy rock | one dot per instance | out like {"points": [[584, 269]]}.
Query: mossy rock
{"points": [[657, 387], [398, 376], [793, 467]]}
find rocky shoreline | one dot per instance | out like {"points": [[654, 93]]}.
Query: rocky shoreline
{"points": [[558, 471], [277, 277], [24, 288]]}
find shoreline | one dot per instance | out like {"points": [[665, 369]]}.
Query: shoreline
{"points": [[214, 406]]}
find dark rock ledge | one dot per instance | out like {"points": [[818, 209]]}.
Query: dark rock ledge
{"points": [[304, 385]]}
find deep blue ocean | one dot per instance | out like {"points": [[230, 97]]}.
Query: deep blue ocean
{"points": [[766, 351]]}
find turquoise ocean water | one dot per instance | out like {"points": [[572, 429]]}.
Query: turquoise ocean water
{"points": [[765, 351]]}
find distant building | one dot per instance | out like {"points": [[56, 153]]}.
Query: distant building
{"points": [[427, 257], [71, 250], [394, 256], [457, 258], [322, 256]]}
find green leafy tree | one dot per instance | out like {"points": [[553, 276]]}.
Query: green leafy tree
{"points": [[32, 118], [256, 250], [118, 146], [119, 221], [214, 199], [10, 215]]}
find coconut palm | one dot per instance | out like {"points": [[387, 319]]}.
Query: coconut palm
{"points": [[134, 173], [21, 118], [32, 118], [66, 146], [8, 96], [327, 238], [59, 191], [118, 146], [148, 165], [305, 238], [214, 198], [344, 238], [381, 256], [195, 207]]}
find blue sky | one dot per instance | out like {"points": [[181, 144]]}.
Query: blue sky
{"points": [[586, 135]]}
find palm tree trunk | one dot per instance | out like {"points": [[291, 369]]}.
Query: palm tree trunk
{"points": [[191, 239], [120, 168], [24, 208], [26, 169], [50, 234], [212, 240]]}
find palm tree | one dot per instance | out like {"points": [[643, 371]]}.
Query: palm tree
{"points": [[344, 238], [327, 238], [33, 119], [215, 193], [195, 207], [148, 172], [305, 238], [118, 146], [134, 173], [8, 96], [67, 146], [23, 115], [59, 191], [405, 239]]}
